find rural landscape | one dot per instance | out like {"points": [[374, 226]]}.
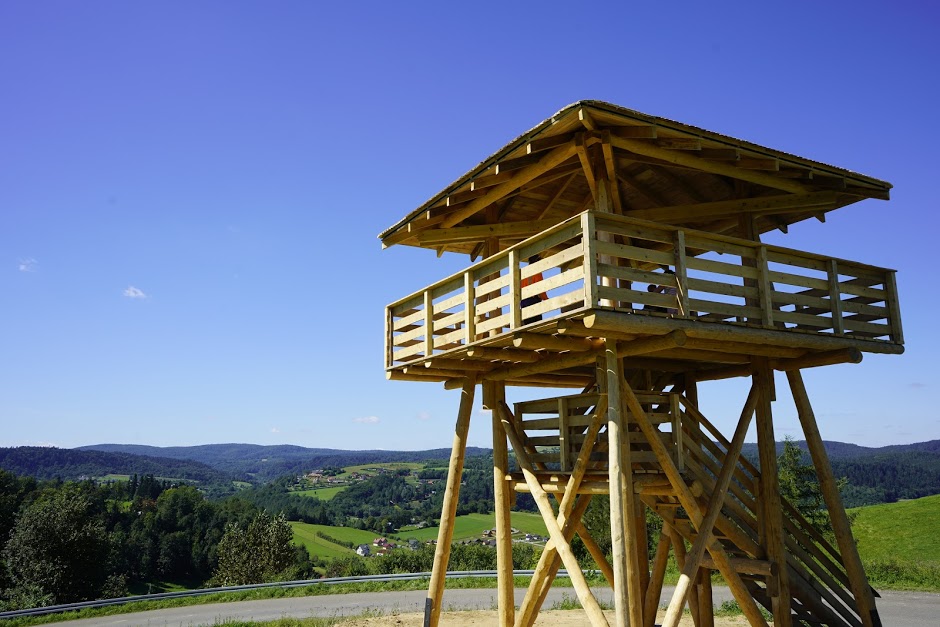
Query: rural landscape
{"points": [[148, 519]]}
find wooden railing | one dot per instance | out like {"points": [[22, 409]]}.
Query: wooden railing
{"points": [[644, 268]]}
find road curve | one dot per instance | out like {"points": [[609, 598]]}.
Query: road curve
{"points": [[908, 609]]}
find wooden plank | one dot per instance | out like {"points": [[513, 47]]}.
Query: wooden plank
{"points": [[725, 208], [868, 327], [725, 289], [625, 273], [765, 288], [728, 309], [835, 298], [653, 299], [681, 275], [588, 227], [740, 248], [721, 267], [559, 280], [625, 251], [897, 333], [431, 237], [847, 287], [613, 224]]}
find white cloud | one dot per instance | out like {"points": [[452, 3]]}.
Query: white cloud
{"points": [[367, 420], [275, 430], [133, 292], [27, 265], [423, 415]]}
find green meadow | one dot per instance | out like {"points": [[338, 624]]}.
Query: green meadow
{"points": [[324, 494], [907, 531]]}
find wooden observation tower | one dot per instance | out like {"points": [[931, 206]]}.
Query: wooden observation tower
{"points": [[619, 254]]}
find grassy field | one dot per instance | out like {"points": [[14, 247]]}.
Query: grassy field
{"points": [[907, 531], [306, 534], [472, 525], [324, 494], [465, 528]]}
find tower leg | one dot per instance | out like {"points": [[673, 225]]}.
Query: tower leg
{"points": [[770, 506], [493, 394], [840, 522], [445, 532], [628, 597]]}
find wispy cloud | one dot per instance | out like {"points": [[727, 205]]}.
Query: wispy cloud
{"points": [[27, 265], [133, 292], [917, 385], [367, 420], [423, 415], [275, 430]]}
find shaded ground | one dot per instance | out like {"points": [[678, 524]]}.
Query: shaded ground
{"points": [[555, 618]]}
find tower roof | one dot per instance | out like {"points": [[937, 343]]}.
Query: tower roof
{"points": [[647, 167]]}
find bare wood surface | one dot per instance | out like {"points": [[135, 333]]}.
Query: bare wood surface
{"points": [[449, 508]]}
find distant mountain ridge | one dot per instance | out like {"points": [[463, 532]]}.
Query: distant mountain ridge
{"points": [[262, 463], [46, 462]]}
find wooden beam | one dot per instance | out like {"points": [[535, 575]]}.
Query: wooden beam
{"points": [[722, 208], [483, 231], [858, 582], [445, 532], [556, 196], [687, 159], [547, 162], [535, 341], [503, 354]]}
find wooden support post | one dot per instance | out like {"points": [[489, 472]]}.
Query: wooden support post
{"points": [[770, 506], [493, 394], [678, 548], [694, 558], [428, 324], [840, 522], [765, 288], [515, 290], [894, 307], [588, 601], [470, 314], [590, 260], [706, 601], [445, 532], [658, 574], [628, 597], [682, 275]]}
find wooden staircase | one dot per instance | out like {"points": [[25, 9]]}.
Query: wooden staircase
{"points": [[819, 587]]}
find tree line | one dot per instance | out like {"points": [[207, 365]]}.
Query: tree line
{"points": [[68, 542]]}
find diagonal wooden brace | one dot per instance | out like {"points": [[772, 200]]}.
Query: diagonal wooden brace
{"points": [[588, 602], [548, 562], [691, 506], [694, 558]]}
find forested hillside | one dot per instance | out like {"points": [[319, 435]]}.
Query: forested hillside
{"points": [[265, 463], [44, 462]]}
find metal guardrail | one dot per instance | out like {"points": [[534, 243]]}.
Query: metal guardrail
{"points": [[54, 609]]}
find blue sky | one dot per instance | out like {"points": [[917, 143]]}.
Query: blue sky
{"points": [[190, 194]]}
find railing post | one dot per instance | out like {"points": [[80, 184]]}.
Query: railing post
{"points": [[515, 290], [765, 288], [428, 323], [389, 323], [564, 446], [682, 275], [894, 307], [676, 412], [470, 306], [835, 298], [590, 260]]}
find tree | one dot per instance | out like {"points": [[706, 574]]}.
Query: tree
{"points": [[256, 553], [58, 548], [800, 486]]}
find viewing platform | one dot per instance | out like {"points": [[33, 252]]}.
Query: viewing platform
{"points": [[697, 300]]}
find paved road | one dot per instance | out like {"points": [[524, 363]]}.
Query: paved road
{"points": [[902, 609]]}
